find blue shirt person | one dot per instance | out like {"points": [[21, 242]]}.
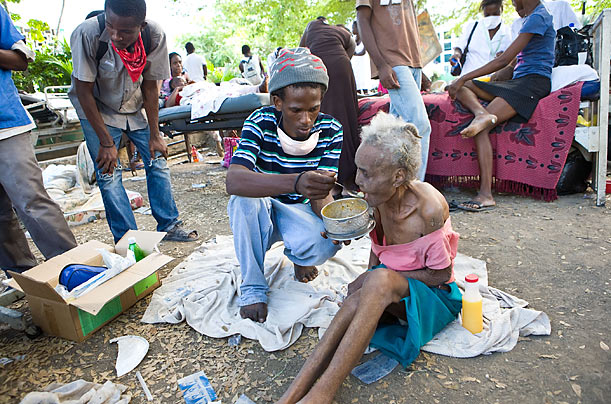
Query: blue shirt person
{"points": [[21, 186]]}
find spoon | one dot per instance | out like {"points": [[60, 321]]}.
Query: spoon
{"points": [[351, 193]]}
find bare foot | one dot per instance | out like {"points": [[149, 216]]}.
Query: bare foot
{"points": [[479, 123], [305, 274], [255, 312]]}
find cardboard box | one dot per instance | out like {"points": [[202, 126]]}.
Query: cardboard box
{"points": [[80, 318]]}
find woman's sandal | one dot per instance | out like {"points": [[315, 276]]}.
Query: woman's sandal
{"points": [[177, 233], [475, 206]]}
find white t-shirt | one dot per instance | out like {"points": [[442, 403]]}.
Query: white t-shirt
{"points": [[193, 65], [482, 49], [562, 14], [252, 70]]}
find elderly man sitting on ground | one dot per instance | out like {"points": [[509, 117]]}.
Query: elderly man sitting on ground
{"points": [[411, 267], [281, 176]]}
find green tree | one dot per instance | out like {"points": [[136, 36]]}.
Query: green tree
{"points": [[263, 25]]}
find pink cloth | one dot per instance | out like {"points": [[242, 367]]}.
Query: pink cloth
{"points": [[528, 157], [435, 250]]}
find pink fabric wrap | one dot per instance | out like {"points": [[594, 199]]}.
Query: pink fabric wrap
{"points": [[435, 250]]}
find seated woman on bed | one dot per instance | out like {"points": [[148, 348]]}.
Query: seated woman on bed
{"points": [[518, 97], [411, 267]]}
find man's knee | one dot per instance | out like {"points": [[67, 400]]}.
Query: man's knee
{"points": [[106, 181], [316, 250], [158, 163], [245, 206]]}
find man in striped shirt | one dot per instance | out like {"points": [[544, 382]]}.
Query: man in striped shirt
{"points": [[281, 176]]}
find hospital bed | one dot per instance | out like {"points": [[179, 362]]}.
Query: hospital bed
{"points": [[177, 120]]}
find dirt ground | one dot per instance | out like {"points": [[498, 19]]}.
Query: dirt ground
{"points": [[555, 255]]}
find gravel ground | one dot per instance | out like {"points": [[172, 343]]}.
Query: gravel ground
{"points": [[554, 255]]}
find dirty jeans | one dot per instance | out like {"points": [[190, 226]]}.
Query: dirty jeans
{"points": [[406, 102], [257, 223], [21, 188], [118, 210]]}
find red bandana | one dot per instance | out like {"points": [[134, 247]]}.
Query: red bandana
{"points": [[134, 61]]}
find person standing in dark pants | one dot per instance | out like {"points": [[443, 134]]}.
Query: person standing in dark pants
{"points": [[335, 46], [21, 183]]}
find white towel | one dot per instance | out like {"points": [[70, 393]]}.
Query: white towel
{"points": [[203, 290]]}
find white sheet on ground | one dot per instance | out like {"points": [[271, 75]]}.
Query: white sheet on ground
{"points": [[203, 291]]}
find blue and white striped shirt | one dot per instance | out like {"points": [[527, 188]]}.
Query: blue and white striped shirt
{"points": [[260, 150]]}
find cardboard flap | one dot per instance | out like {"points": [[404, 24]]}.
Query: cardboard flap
{"points": [[35, 288], [41, 280], [147, 240], [93, 301], [49, 270]]}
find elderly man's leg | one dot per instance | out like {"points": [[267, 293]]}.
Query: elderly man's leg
{"points": [[22, 186], [318, 361], [253, 233], [300, 230], [372, 303]]}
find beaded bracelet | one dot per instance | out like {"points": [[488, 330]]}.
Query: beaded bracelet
{"points": [[297, 180]]}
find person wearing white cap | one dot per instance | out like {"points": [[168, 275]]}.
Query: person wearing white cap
{"points": [[281, 176]]}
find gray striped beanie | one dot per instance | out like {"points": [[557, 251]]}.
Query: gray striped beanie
{"points": [[297, 65]]}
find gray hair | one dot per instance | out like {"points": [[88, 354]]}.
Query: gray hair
{"points": [[397, 141]]}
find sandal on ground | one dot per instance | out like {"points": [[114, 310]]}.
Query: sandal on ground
{"points": [[177, 233], [475, 206], [453, 206]]}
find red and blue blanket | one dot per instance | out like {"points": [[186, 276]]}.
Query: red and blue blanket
{"points": [[528, 157]]}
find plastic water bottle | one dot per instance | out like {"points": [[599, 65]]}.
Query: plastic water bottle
{"points": [[456, 68], [472, 316], [194, 154], [138, 252]]}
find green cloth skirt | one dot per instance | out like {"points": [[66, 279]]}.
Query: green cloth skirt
{"points": [[428, 311]]}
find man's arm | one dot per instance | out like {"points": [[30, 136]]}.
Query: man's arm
{"points": [[388, 78], [241, 66], [150, 91], [13, 60], [107, 155], [205, 71], [314, 185]]}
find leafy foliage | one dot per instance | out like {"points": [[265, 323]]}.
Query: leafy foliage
{"points": [[51, 67], [263, 25]]}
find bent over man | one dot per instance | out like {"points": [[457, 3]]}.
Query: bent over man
{"points": [[115, 77]]}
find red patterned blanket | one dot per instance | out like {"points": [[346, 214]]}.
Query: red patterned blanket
{"points": [[528, 157]]}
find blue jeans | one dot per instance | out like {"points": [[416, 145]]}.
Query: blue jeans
{"points": [[406, 103], [257, 223], [118, 210]]}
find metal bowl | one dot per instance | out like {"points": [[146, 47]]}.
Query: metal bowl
{"points": [[346, 216]]}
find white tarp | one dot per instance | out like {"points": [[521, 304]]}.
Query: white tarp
{"points": [[203, 291]]}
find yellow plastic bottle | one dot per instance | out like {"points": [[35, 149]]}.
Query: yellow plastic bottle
{"points": [[472, 316]]}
